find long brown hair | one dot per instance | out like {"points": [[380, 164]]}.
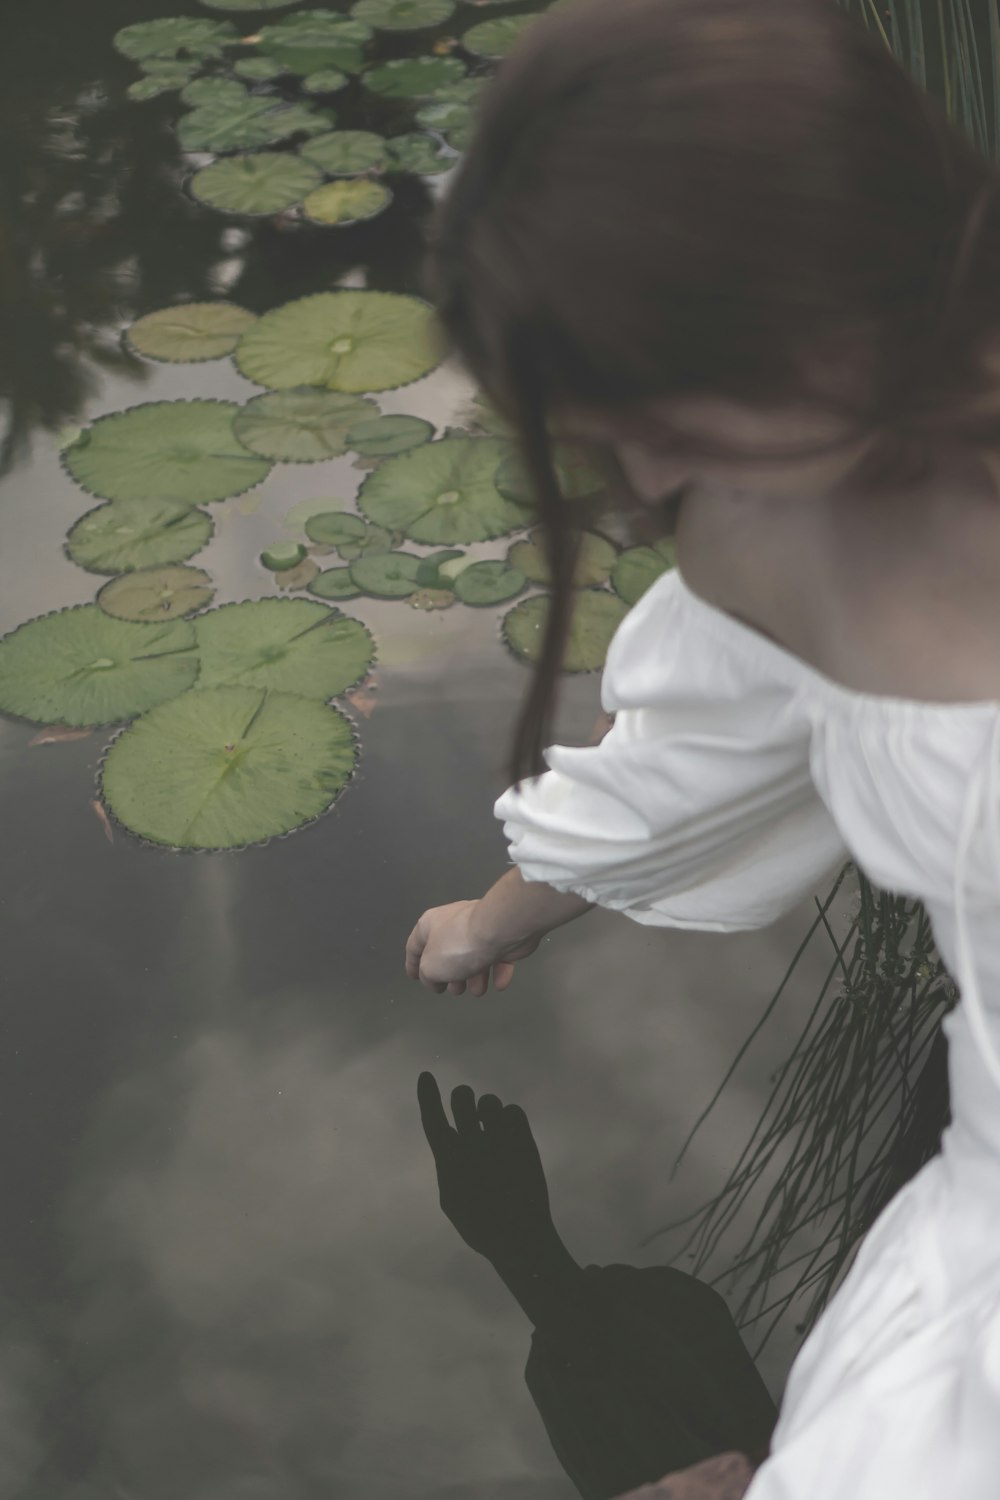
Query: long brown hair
{"points": [[751, 201]]}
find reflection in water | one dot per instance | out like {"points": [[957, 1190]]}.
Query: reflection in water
{"points": [[636, 1373]]}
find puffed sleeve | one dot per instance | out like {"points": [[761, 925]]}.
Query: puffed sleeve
{"points": [[698, 808]]}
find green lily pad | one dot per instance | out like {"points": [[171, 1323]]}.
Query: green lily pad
{"points": [[302, 425], [157, 594], [417, 153], [257, 69], [330, 528], [376, 539], [412, 77], [345, 153], [131, 534], [290, 645], [578, 478], [174, 35], [345, 341], [185, 449], [442, 493], [317, 40], [228, 767], [334, 583], [432, 599], [638, 568], [247, 4], [190, 332], [381, 437], [346, 202], [595, 618], [402, 15], [461, 90], [214, 90], [261, 182], [282, 556], [81, 667], [327, 81], [489, 583], [494, 39], [256, 120], [157, 84], [388, 575], [430, 574], [593, 565]]}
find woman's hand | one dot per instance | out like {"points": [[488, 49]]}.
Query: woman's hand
{"points": [[445, 952]]}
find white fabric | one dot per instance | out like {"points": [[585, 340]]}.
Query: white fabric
{"points": [[735, 779]]}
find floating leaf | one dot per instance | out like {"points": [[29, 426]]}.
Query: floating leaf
{"points": [[449, 567], [346, 341], [262, 182], [328, 81], [594, 562], [362, 699], [412, 77], [132, 534], [301, 425], [417, 153], [214, 91], [299, 577], [103, 819], [314, 41], [494, 39], [226, 767], [247, 4], [381, 437], [334, 583], [256, 120], [257, 69], [375, 539], [432, 599], [173, 35], [81, 667], [461, 90], [347, 202], [58, 734], [638, 568], [489, 583], [578, 479], [430, 575], [595, 618], [482, 418], [290, 645], [282, 555], [388, 575], [157, 594], [443, 492], [330, 528], [402, 15], [345, 153], [157, 84], [191, 331]]}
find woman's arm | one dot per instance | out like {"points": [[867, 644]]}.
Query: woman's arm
{"points": [[456, 946]]}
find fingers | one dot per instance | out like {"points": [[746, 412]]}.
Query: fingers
{"points": [[502, 975], [415, 945], [490, 1111], [432, 1113], [463, 1107]]}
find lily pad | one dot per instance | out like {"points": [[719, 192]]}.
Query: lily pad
{"points": [[290, 645], [157, 84], [489, 583], [334, 583], [214, 90], [261, 182], [157, 594], [429, 575], [461, 90], [381, 437], [316, 40], [640, 567], [494, 39], [228, 767], [174, 35], [330, 528], [388, 575], [432, 599], [346, 202], [442, 493], [283, 555], [412, 77], [402, 15], [327, 81], [302, 425], [185, 449], [578, 478], [256, 120], [417, 153], [81, 667], [131, 534], [595, 618], [345, 153], [257, 69], [376, 539], [190, 332], [345, 341], [299, 577], [594, 562], [247, 4]]}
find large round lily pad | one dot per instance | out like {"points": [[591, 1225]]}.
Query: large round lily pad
{"points": [[259, 182], [185, 449], [330, 528], [489, 583], [301, 425], [346, 202], [640, 567], [255, 120], [227, 767], [290, 645], [402, 15], [494, 39], [334, 583], [191, 331], [313, 41], [174, 35], [388, 575], [577, 476], [152, 594], [130, 534], [418, 153], [412, 77], [346, 341], [595, 618], [381, 437], [594, 562], [81, 667], [442, 493], [345, 153]]}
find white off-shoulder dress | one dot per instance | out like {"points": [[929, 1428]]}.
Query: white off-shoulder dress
{"points": [[736, 779]]}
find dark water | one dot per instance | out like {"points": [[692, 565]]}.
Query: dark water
{"points": [[224, 1274]]}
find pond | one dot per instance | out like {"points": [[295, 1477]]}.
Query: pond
{"points": [[226, 1275]]}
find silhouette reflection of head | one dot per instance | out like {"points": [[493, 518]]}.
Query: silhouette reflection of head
{"points": [[636, 1373]]}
